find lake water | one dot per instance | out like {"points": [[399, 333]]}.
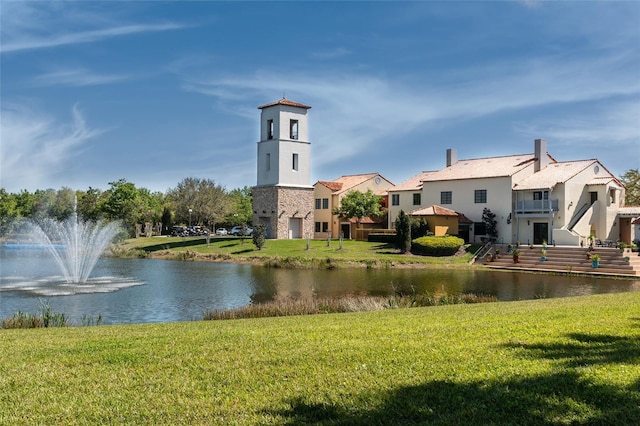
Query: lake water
{"points": [[151, 290]]}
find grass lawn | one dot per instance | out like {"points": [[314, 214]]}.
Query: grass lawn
{"points": [[289, 253], [554, 361]]}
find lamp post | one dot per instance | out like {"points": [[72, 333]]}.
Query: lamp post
{"points": [[190, 211]]}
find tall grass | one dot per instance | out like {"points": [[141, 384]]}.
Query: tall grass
{"points": [[354, 303], [45, 318]]}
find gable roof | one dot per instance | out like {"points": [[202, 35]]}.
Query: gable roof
{"points": [[286, 102], [333, 186], [348, 182], [490, 167], [553, 174], [434, 210]]}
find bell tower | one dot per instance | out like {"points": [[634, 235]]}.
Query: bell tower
{"points": [[283, 196]]}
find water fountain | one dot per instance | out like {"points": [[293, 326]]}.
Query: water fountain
{"points": [[75, 245]]}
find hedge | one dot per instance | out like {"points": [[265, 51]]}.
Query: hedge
{"points": [[383, 238], [436, 246]]}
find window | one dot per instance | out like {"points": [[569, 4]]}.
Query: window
{"points": [[269, 129], [480, 196], [395, 199], [541, 195], [295, 162], [322, 226], [325, 203], [416, 199], [268, 161], [318, 204], [293, 129], [612, 196], [446, 197]]}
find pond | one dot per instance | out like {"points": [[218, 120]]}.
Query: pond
{"points": [[151, 290]]}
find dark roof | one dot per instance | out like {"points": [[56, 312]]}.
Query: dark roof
{"points": [[286, 102]]}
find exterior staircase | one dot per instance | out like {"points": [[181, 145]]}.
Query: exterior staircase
{"points": [[567, 259]]}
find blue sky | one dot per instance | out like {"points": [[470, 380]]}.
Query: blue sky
{"points": [[154, 92]]}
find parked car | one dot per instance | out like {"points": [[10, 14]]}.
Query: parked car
{"points": [[237, 230], [221, 231], [179, 231]]}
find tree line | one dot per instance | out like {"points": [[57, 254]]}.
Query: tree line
{"points": [[193, 201]]}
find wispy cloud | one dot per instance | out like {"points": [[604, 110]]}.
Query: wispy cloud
{"points": [[338, 52], [77, 77], [35, 147], [367, 110], [37, 25]]}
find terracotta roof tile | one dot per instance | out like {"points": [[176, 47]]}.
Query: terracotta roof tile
{"points": [[333, 186], [414, 183], [479, 168], [553, 174], [286, 102], [434, 210]]}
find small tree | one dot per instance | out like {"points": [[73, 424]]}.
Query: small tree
{"points": [[490, 223], [403, 232], [358, 205], [259, 235]]}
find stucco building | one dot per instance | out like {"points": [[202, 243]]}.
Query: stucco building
{"points": [[283, 195]]}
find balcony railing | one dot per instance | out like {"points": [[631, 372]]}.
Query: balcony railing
{"points": [[536, 206]]}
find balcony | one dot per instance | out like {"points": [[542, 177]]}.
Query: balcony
{"points": [[535, 207]]}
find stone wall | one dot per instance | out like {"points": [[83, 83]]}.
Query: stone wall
{"points": [[275, 206]]}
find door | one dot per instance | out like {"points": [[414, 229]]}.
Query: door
{"points": [[540, 232], [345, 227], [295, 228]]}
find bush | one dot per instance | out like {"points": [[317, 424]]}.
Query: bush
{"points": [[436, 246]]}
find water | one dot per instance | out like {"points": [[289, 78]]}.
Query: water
{"points": [[74, 244], [151, 290]]}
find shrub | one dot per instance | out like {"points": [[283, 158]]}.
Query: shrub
{"points": [[259, 235], [436, 246], [403, 232]]}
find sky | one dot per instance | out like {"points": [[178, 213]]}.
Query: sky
{"points": [[155, 92]]}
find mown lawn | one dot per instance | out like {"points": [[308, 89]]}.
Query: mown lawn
{"points": [[555, 361], [290, 253]]}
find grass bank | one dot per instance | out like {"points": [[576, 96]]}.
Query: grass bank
{"points": [[284, 253], [552, 361]]}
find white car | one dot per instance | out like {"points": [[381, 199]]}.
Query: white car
{"points": [[221, 231], [237, 230]]}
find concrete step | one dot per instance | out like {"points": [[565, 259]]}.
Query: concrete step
{"points": [[569, 259]]}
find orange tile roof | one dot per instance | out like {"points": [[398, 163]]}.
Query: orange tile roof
{"points": [[553, 174], [414, 183], [434, 210], [334, 186], [479, 168], [286, 102]]}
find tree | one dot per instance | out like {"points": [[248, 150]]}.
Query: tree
{"points": [[209, 203], [89, 204], [241, 207], [403, 232], [358, 205], [419, 228], [259, 235], [631, 180], [490, 223]]}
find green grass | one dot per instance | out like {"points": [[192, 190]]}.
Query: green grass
{"points": [[283, 253], [552, 361]]}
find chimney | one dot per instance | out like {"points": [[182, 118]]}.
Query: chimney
{"points": [[452, 157], [540, 153]]}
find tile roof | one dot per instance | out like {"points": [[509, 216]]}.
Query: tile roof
{"points": [[350, 181], [479, 168], [333, 186], [413, 183], [463, 219], [553, 174], [434, 210], [286, 102], [629, 210]]}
